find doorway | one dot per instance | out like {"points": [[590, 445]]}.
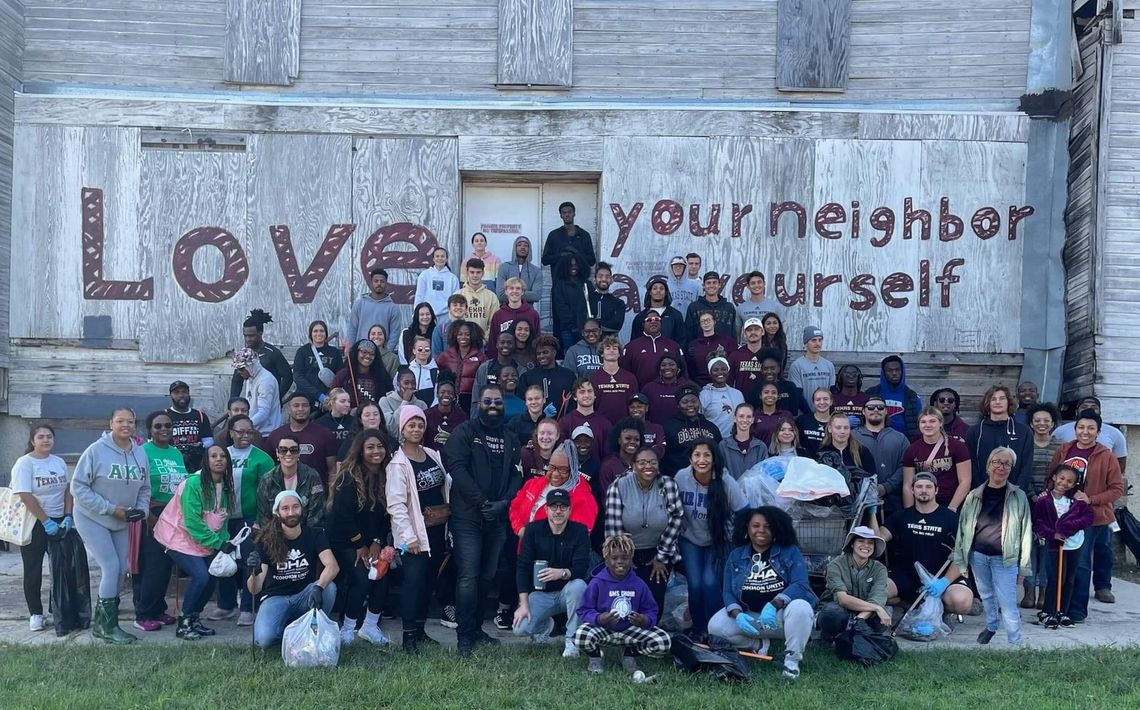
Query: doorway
{"points": [[505, 209]]}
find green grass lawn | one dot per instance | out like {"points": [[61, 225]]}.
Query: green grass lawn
{"points": [[198, 675]]}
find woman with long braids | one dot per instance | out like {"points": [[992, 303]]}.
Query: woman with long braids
{"points": [[358, 530], [269, 356], [195, 530], [418, 493], [710, 497], [111, 488]]}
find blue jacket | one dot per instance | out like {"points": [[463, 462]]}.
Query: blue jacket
{"points": [[903, 403], [787, 561]]}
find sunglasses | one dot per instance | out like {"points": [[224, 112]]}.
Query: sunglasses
{"points": [[946, 400], [875, 407], [157, 425], [495, 402], [288, 450]]}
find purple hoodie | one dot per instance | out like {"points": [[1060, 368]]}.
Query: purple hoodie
{"points": [[604, 593]]}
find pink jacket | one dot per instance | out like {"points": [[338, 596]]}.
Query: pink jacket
{"points": [[404, 500]]}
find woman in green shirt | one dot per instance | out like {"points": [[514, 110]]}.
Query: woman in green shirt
{"points": [[167, 470]]}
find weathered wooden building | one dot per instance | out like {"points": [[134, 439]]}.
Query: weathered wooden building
{"points": [[178, 164]]}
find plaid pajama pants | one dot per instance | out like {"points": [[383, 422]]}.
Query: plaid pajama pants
{"points": [[653, 642]]}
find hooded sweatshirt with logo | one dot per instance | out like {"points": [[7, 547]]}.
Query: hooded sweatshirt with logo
{"points": [[434, 286], [604, 594], [368, 311], [530, 274], [108, 477], [260, 390], [903, 404]]}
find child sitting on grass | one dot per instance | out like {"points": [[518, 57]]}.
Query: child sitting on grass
{"points": [[617, 609], [1061, 520]]}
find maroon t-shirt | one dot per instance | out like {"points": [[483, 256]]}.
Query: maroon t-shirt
{"points": [[662, 400], [317, 445], [440, 426], [943, 464], [614, 392], [745, 366], [697, 360], [598, 424], [851, 406], [1078, 458]]}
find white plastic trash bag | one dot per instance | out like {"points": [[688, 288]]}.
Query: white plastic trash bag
{"points": [[808, 480], [760, 488], [225, 564], [312, 641]]}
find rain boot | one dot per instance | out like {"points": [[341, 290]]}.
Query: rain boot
{"points": [[111, 632], [186, 629], [98, 623]]}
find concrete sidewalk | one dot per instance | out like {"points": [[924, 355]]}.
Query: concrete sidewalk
{"points": [[1108, 625]]}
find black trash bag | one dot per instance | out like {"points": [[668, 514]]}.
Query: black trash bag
{"points": [[719, 659], [70, 583], [1129, 530], [861, 644]]}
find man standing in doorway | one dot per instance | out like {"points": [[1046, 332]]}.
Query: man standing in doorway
{"points": [[192, 434], [374, 308], [812, 370], [569, 238]]}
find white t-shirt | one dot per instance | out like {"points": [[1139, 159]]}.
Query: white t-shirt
{"points": [[46, 479]]}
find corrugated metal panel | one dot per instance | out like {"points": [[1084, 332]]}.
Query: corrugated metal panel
{"points": [[11, 58], [935, 50], [1080, 222]]}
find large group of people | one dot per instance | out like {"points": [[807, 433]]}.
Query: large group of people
{"points": [[574, 489]]}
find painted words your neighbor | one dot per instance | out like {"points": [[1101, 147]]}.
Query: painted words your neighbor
{"points": [[878, 226]]}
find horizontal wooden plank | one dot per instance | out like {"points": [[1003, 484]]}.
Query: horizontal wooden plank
{"points": [[534, 153]]}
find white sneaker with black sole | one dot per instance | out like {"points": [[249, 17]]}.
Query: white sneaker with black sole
{"points": [[447, 617]]}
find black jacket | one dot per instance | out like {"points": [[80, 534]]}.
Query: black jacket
{"points": [[570, 550], [607, 308], [306, 367], [558, 244], [567, 304], [724, 313], [272, 360], [680, 433], [478, 475], [350, 525], [987, 435], [672, 325], [555, 381]]}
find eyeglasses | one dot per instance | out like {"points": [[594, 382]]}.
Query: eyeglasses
{"points": [[946, 400], [157, 425], [875, 407], [591, 331], [558, 469], [492, 402], [288, 450], [1001, 464], [242, 432]]}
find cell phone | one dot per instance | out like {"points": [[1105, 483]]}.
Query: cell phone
{"points": [[135, 514]]}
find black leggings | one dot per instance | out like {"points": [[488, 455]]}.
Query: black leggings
{"points": [[360, 589], [33, 556], [643, 565], [421, 576]]}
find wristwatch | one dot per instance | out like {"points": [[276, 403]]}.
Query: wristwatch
{"points": [[565, 574]]}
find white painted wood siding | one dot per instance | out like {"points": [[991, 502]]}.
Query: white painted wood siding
{"points": [[936, 50]]}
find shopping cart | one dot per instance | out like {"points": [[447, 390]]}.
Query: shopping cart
{"points": [[822, 529]]}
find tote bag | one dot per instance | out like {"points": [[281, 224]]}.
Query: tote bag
{"points": [[16, 523]]}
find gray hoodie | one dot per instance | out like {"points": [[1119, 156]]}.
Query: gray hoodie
{"points": [[530, 274], [584, 359], [107, 477], [368, 311]]}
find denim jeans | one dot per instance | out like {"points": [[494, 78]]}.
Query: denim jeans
{"points": [[544, 605], [1037, 566], [201, 584], [477, 546], [228, 586], [704, 583], [275, 613], [1095, 566], [997, 586]]}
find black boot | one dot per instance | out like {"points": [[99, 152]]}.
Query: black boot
{"points": [[411, 642], [186, 629], [199, 627], [422, 636]]}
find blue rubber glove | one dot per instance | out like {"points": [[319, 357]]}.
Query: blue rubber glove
{"points": [[935, 587], [68, 524], [769, 617], [549, 410], [747, 624], [51, 527]]}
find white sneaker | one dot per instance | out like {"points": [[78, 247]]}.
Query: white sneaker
{"points": [[372, 634], [36, 623], [347, 636], [544, 637], [791, 668], [569, 650]]}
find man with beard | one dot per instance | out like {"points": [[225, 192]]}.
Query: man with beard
{"points": [[886, 446], [903, 404], [924, 534], [486, 474], [603, 306], [284, 568], [191, 434], [318, 445], [642, 354]]}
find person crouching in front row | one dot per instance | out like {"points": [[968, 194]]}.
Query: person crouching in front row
{"points": [[284, 565], [617, 609]]}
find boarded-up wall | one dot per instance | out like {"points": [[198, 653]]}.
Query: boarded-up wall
{"points": [[937, 50], [263, 41], [536, 42], [812, 44], [11, 61]]}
